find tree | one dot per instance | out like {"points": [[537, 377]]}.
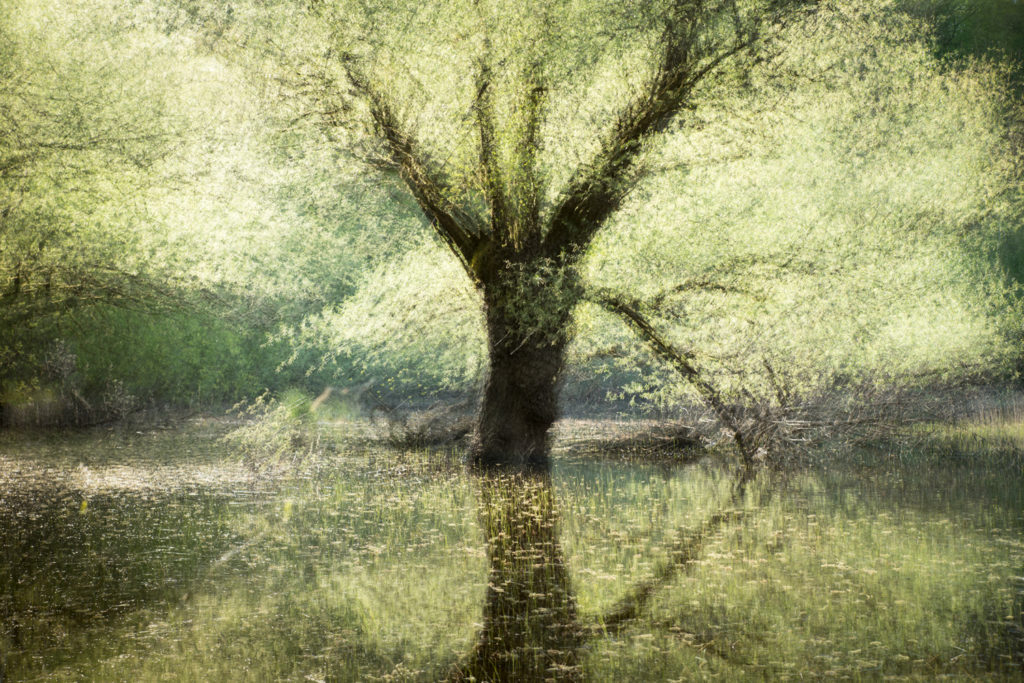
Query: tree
{"points": [[466, 104], [821, 231], [80, 130]]}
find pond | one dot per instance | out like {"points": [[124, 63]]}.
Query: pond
{"points": [[155, 555]]}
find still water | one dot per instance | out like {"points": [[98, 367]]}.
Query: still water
{"points": [[157, 555]]}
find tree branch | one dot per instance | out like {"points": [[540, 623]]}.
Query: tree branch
{"points": [[680, 361], [689, 56], [705, 285], [528, 186], [597, 190], [490, 167], [456, 228]]}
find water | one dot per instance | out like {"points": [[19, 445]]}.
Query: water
{"points": [[157, 556]]}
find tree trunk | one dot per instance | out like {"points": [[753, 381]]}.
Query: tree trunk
{"points": [[527, 330]]}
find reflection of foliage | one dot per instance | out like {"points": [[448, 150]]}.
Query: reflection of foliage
{"points": [[895, 562]]}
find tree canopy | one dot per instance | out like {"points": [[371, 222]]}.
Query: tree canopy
{"points": [[834, 216], [815, 196]]}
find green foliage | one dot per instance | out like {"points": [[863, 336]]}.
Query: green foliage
{"points": [[413, 326], [153, 217], [186, 358], [82, 122], [180, 181], [840, 233], [975, 28]]}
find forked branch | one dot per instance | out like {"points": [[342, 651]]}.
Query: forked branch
{"points": [[698, 38], [597, 190]]}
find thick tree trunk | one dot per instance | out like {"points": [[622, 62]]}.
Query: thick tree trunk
{"points": [[526, 335]]}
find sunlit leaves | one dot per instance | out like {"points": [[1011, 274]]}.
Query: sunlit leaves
{"points": [[831, 218]]}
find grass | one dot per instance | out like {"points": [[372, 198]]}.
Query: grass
{"points": [[866, 565]]}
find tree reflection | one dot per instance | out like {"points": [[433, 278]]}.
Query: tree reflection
{"points": [[530, 629]]}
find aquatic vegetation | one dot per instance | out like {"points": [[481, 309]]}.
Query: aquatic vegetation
{"points": [[278, 432]]}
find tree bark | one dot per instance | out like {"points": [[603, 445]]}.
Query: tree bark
{"points": [[527, 331]]}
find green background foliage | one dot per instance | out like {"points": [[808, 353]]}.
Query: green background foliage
{"points": [[186, 207]]}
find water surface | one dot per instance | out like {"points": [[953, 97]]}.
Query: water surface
{"points": [[156, 555]]}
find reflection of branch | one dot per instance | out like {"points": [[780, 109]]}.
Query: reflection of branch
{"points": [[687, 549], [683, 554]]}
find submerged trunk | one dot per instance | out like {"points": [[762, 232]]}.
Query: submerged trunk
{"points": [[526, 336]]}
